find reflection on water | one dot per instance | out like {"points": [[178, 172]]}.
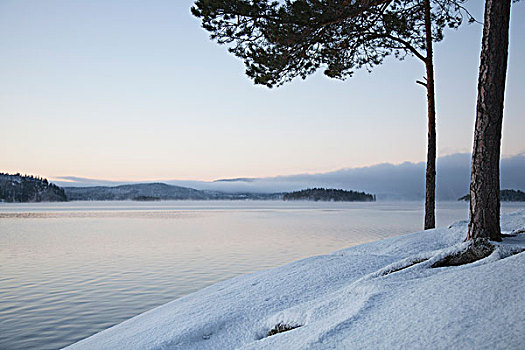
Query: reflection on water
{"points": [[68, 270]]}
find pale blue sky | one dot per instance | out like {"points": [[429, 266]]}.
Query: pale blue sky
{"points": [[135, 90]]}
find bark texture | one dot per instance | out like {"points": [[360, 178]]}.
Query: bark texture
{"points": [[477, 250], [484, 216], [430, 176]]}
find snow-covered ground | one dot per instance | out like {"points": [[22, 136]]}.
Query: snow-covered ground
{"points": [[372, 296]]}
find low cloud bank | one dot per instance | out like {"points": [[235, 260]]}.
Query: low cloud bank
{"points": [[388, 181]]}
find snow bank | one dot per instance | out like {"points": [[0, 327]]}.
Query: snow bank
{"points": [[380, 295]]}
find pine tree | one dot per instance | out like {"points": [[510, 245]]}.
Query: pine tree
{"points": [[484, 219], [279, 41]]}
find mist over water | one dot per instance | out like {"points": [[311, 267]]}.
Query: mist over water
{"points": [[69, 270], [404, 181]]}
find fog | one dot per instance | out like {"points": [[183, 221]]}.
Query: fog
{"points": [[404, 181]]}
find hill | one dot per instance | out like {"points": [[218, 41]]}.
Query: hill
{"points": [[123, 192], [24, 188], [155, 191], [330, 195]]}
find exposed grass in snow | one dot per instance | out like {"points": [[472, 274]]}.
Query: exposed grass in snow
{"points": [[380, 295], [281, 328]]}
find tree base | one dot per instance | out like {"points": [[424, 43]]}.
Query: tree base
{"points": [[476, 250]]}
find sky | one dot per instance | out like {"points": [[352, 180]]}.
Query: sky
{"points": [[136, 90]]}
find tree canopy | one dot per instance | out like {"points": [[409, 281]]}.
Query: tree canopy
{"points": [[281, 40]]}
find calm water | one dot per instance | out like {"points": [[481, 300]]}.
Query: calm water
{"points": [[69, 270]]}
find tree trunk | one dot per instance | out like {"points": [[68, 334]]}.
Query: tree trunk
{"points": [[484, 181], [430, 177]]}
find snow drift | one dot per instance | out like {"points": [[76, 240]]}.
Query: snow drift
{"points": [[381, 295]]}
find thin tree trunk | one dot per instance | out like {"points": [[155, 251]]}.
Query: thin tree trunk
{"points": [[430, 177], [484, 182]]}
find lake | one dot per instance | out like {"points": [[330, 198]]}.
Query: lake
{"points": [[69, 270]]}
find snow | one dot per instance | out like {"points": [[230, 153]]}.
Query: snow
{"points": [[380, 295]]}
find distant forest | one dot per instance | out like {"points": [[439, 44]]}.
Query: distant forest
{"points": [[24, 188], [505, 196], [331, 195], [156, 191]]}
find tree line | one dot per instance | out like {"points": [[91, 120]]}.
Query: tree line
{"points": [[333, 195], [28, 188], [505, 196]]}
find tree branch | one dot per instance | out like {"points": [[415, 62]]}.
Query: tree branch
{"points": [[408, 46]]}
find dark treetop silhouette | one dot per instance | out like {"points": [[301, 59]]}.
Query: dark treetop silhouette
{"points": [[329, 194], [27, 188]]}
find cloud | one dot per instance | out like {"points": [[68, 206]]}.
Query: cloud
{"points": [[75, 181], [388, 181], [404, 181]]}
